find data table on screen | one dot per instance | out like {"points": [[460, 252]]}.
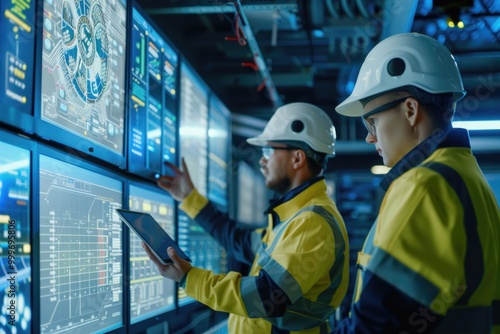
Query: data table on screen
{"points": [[193, 134], [81, 269], [201, 248], [150, 293], [219, 143]]}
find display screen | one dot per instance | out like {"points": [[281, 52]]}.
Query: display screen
{"points": [[201, 248], [246, 194], [261, 202], [83, 72], [15, 246], [493, 179], [17, 56], [81, 269], [150, 293], [153, 82], [219, 142], [193, 136], [193, 127]]}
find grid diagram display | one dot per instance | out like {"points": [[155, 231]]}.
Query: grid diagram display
{"points": [[83, 69], [81, 271], [150, 293]]}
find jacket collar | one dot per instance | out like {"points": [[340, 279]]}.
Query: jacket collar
{"points": [[439, 139], [277, 200]]}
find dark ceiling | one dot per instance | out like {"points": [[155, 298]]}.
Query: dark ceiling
{"points": [[278, 52]]}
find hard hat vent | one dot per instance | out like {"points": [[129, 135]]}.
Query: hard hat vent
{"points": [[297, 126], [396, 67]]}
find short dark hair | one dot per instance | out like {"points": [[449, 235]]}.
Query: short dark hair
{"points": [[314, 167]]}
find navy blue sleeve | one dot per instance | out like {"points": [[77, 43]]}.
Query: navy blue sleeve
{"points": [[235, 240], [274, 299], [382, 308]]}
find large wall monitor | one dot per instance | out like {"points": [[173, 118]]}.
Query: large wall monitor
{"points": [[219, 143], [193, 133], [81, 254], [17, 57], [246, 194], [83, 76], [194, 126], [15, 245], [493, 179], [150, 293], [153, 98], [261, 202], [203, 250]]}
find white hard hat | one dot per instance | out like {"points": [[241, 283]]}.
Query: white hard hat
{"points": [[408, 59], [302, 123]]}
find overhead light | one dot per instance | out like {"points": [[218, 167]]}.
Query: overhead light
{"points": [[379, 169], [318, 33], [477, 125], [456, 24], [454, 11]]}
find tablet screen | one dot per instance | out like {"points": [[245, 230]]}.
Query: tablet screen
{"points": [[148, 229]]}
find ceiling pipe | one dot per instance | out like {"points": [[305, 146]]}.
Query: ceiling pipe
{"points": [[397, 17], [331, 9], [211, 7], [267, 80], [362, 9]]}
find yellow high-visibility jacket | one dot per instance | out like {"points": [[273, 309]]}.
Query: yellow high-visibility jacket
{"points": [[431, 263], [299, 272]]}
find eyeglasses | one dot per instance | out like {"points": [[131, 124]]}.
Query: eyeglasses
{"points": [[268, 151], [369, 123]]}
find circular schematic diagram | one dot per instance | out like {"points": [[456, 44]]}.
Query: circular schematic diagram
{"points": [[85, 48]]}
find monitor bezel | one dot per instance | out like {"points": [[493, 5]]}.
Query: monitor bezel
{"points": [[217, 106], [24, 143], [186, 67], [76, 161], [64, 138], [24, 121], [143, 170], [164, 314]]}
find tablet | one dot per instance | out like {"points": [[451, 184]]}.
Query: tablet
{"points": [[153, 235]]}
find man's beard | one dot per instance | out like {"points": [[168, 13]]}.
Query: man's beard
{"points": [[282, 186]]}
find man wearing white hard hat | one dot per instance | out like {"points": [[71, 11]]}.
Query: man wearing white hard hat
{"points": [[431, 263], [299, 265]]}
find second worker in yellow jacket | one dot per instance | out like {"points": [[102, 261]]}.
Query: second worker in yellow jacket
{"points": [[299, 264]]}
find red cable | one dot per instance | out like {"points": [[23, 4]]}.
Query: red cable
{"points": [[251, 65], [262, 85], [241, 38]]}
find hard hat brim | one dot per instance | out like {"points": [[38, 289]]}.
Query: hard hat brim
{"points": [[257, 141]]}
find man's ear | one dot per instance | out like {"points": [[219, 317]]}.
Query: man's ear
{"points": [[299, 158], [412, 111]]}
